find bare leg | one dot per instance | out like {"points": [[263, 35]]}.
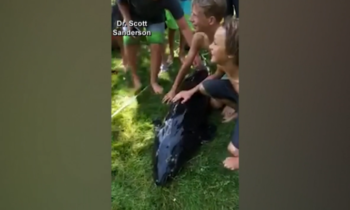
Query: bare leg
{"points": [[171, 39], [229, 112], [122, 51], [182, 53], [164, 65], [131, 52], [156, 59], [164, 59]]}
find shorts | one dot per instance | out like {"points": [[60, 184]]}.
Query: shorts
{"points": [[220, 89], [157, 37], [235, 135], [223, 89]]}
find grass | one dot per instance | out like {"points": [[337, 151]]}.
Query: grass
{"points": [[203, 184]]}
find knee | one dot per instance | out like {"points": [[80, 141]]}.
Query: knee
{"points": [[233, 150], [205, 88], [202, 89], [208, 87]]}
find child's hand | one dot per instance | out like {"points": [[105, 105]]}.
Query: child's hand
{"points": [[169, 96], [184, 95]]}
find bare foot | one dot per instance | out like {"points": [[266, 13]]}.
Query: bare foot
{"points": [[157, 88], [231, 163], [229, 114]]}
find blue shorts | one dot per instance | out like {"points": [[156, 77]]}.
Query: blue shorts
{"points": [[223, 89], [220, 89], [235, 135]]}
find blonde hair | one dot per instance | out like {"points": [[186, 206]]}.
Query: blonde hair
{"points": [[215, 8]]}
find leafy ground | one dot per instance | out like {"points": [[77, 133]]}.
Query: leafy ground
{"points": [[203, 185]]}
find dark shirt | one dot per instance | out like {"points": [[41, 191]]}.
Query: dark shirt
{"points": [[232, 5], [229, 10], [152, 11], [116, 15]]}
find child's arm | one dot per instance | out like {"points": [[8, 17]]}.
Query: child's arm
{"points": [[187, 94], [196, 44], [177, 12], [235, 84], [217, 74]]}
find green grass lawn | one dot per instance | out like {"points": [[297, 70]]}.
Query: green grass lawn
{"points": [[202, 185]]}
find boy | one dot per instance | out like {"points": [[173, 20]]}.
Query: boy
{"points": [[172, 28], [187, 8], [151, 11], [118, 40], [206, 18], [225, 52]]}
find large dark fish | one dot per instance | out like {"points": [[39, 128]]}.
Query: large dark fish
{"points": [[183, 131]]}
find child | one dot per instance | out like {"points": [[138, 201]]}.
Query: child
{"points": [[206, 18], [153, 13], [172, 28], [118, 40], [187, 8], [225, 51]]}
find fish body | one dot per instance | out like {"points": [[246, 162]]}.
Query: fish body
{"points": [[184, 129]]}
